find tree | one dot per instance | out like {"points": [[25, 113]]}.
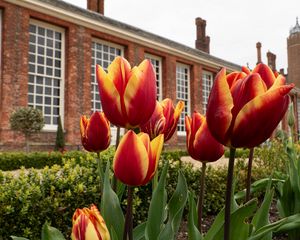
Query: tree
{"points": [[60, 138], [27, 120]]}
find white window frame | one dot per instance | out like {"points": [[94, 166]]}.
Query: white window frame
{"points": [[52, 127], [207, 77], [158, 72], [94, 83], [187, 101]]}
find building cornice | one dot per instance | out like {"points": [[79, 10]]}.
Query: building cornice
{"points": [[112, 27]]}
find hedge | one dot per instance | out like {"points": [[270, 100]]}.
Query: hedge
{"points": [[53, 193]]}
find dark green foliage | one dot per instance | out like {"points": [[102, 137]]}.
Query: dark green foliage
{"points": [[27, 120], [60, 138]]}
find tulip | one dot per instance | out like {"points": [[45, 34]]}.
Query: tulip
{"points": [[95, 132], [88, 224], [164, 119], [203, 147], [127, 95], [200, 143], [136, 158], [245, 107]]}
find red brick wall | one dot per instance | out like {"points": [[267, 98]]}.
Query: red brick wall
{"points": [[78, 40]]}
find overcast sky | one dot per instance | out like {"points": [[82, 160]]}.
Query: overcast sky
{"points": [[234, 26]]}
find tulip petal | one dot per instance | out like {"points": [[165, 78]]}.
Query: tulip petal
{"points": [[206, 147], [266, 74], [131, 160], [110, 97], [119, 72], [140, 94], [267, 109], [245, 90], [156, 146], [220, 104], [234, 76]]}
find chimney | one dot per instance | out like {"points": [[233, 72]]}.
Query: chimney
{"points": [[271, 60], [96, 6], [258, 48], [202, 41]]}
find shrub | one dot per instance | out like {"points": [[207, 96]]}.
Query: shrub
{"points": [[60, 138], [27, 120]]}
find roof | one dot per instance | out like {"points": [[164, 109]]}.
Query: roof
{"points": [[296, 28], [132, 30]]}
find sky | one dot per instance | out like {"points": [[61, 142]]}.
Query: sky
{"points": [[234, 26]]}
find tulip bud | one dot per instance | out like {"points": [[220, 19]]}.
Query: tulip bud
{"points": [[291, 116], [88, 224]]}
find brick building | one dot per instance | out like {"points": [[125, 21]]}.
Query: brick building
{"points": [[49, 49]]}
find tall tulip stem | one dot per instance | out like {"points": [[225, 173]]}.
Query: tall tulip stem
{"points": [[249, 172], [128, 219], [228, 194], [100, 171], [115, 180], [201, 197]]}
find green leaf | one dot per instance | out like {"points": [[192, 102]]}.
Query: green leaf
{"points": [[283, 225], [256, 186], [157, 207], [51, 233], [261, 217], [175, 208], [139, 231], [239, 228], [18, 238], [111, 209], [193, 232]]}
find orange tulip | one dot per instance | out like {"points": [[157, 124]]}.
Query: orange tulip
{"points": [[164, 119], [245, 107], [95, 132], [200, 143], [136, 158], [88, 224], [127, 95]]}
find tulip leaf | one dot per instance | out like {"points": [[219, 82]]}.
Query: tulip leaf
{"points": [[157, 207], [239, 228], [175, 209], [111, 209], [139, 231], [283, 225], [261, 217], [193, 231], [256, 186], [51, 233], [18, 238]]}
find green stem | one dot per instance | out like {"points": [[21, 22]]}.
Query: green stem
{"points": [[155, 181], [229, 194], [201, 197], [128, 219], [100, 172], [114, 179], [249, 173]]}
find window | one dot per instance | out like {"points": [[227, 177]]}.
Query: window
{"points": [[207, 82], [182, 93], [46, 71], [157, 65], [103, 53]]}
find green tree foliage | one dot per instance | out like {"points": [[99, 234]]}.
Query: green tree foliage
{"points": [[60, 138], [27, 120]]}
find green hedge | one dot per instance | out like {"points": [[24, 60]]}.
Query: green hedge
{"points": [[52, 194]]}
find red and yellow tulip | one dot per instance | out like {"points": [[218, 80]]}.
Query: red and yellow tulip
{"points": [[128, 95], [164, 119], [95, 132], [136, 158], [88, 224], [245, 107], [200, 143]]}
